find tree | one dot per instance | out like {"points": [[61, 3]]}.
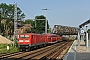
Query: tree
{"points": [[28, 30], [7, 11], [3, 10], [40, 17], [40, 24], [32, 22], [88, 31], [7, 16]]}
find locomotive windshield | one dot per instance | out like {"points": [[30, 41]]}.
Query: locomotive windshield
{"points": [[24, 36]]}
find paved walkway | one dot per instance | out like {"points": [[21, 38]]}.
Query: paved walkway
{"points": [[78, 53]]}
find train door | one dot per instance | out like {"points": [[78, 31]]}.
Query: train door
{"points": [[33, 40]]}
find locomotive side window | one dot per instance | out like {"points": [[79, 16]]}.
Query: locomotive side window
{"points": [[26, 36], [21, 36]]}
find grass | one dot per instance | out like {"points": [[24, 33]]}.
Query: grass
{"points": [[3, 49]]}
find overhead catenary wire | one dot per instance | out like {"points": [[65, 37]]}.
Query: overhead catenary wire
{"points": [[26, 11]]}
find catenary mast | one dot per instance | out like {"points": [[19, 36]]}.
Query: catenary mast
{"points": [[15, 22]]}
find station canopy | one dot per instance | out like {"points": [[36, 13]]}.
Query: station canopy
{"points": [[85, 23]]}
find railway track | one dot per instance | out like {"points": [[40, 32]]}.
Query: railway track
{"points": [[59, 54], [7, 55], [49, 52]]}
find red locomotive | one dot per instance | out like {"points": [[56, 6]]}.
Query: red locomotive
{"points": [[28, 40]]}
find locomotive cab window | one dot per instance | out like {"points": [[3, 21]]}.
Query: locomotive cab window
{"points": [[24, 36], [21, 36], [27, 36]]}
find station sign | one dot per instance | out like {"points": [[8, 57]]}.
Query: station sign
{"points": [[82, 32]]}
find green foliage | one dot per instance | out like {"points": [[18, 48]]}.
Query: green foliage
{"points": [[32, 22], [7, 11], [40, 24], [3, 49], [49, 30], [28, 30], [88, 31], [40, 17], [14, 49], [7, 15], [3, 46]]}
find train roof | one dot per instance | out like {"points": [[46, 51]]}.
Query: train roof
{"points": [[49, 34], [27, 33]]}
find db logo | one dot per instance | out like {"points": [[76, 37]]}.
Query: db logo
{"points": [[82, 31]]}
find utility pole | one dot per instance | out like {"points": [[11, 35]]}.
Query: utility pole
{"points": [[15, 22], [46, 20]]}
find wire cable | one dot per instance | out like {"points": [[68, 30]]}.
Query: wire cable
{"points": [[26, 11]]}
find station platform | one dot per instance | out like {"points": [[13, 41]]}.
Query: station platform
{"points": [[78, 52]]}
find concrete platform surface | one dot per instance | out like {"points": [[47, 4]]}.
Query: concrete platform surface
{"points": [[78, 52]]}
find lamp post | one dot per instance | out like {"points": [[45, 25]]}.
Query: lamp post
{"points": [[46, 20]]}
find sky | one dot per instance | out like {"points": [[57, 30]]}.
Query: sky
{"points": [[61, 12]]}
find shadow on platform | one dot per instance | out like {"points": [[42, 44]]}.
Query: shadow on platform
{"points": [[79, 56]]}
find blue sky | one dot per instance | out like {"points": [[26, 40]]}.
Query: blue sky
{"points": [[62, 12]]}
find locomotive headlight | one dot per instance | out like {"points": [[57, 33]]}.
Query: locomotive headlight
{"points": [[20, 40], [26, 40]]}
